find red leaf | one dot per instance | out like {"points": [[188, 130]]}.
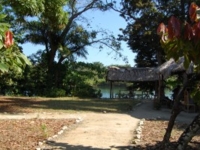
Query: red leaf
{"points": [[174, 27], [196, 30], [161, 29], [188, 32], [192, 12]]}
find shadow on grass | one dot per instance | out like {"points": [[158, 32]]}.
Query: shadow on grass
{"points": [[19, 104]]}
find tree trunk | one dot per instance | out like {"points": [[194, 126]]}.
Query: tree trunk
{"points": [[175, 111], [189, 133]]}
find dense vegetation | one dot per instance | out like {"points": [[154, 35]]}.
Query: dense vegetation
{"points": [[61, 28], [78, 79]]}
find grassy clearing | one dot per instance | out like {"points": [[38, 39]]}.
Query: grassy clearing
{"points": [[66, 104]]}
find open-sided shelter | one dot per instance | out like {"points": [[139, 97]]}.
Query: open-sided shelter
{"points": [[157, 74]]}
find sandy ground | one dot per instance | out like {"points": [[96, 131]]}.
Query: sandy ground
{"points": [[99, 131], [102, 131]]}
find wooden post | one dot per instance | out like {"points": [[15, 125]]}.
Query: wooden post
{"points": [[111, 90], [159, 89]]}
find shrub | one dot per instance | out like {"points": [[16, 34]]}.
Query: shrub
{"points": [[87, 91], [56, 92]]}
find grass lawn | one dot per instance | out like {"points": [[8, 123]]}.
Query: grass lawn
{"points": [[65, 104]]}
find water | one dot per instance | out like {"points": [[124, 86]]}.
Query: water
{"points": [[105, 90]]}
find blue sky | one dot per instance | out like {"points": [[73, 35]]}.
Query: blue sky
{"points": [[107, 20]]}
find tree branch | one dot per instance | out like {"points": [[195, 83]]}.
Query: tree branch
{"points": [[67, 28]]}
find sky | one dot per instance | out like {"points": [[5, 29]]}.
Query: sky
{"points": [[107, 20]]}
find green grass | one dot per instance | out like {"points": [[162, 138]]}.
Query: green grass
{"points": [[69, 104]]}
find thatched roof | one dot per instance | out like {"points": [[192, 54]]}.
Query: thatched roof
{"points": [[130, 74], [171, 66]]}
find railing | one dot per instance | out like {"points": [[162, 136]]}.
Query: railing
{"points": [[133, 94]]}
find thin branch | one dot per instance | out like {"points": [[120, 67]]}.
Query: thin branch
{"points": [[67, 28], [101, 41]]}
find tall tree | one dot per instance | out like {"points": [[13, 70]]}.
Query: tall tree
{"points": [[58, 27], [142, 17]]}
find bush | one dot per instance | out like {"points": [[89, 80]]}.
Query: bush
{"points": [[87, 91], [56, 92]]}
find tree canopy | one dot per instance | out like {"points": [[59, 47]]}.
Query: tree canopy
{"points": [[58, 26]]}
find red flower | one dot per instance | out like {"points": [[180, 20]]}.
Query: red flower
{"points": [[192, 12], [8, 39], [174, 28]]}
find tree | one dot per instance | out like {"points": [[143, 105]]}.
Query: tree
{"points": [[59, 29], [182, 39], [82, 79], [142, 18], [140, 32]]}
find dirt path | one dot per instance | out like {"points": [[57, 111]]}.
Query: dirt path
{"points": [[105, 131], [99, 131], [95, 131], [102, 131]]}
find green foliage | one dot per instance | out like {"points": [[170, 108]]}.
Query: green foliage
{"points": [[13, 59], [54, 15], [10, 58], [10, 83], [86, 91], [56, 92], [75, 79], [172, 82], [140, 33], [3, 27], [83, 78], [60, 30], [56, 25], [26, 8]]}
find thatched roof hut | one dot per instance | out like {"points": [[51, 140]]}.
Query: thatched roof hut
{"points": [[131, 74]]}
